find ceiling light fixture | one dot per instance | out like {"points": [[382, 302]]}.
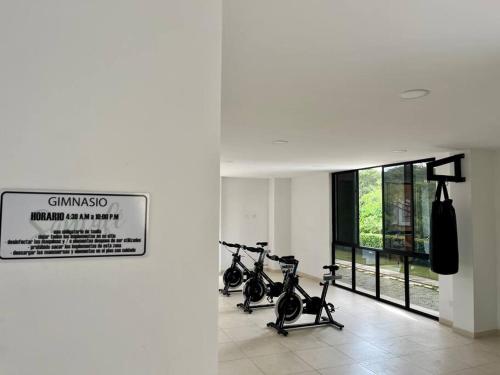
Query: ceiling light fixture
{"points": [[414, 94], [280, 142], [399, 151]]}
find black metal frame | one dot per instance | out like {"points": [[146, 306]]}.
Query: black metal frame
{"points": [[292, 284], [356, 246], [257, 273], [236, 262], [456, 160]]}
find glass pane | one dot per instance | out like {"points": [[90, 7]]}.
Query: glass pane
{"points": [[365, 271], [343, 258], [370, 208], [424, 287], [346, 207], [423, 192], [392, 278], [397, 208]]}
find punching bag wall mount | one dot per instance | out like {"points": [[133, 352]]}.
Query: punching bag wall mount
{"points": [[457, 166], [444, 239]]}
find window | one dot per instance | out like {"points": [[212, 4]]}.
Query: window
{"points": [[392, 278], [397, 208], [424, 192], [370, 208], [424, 286], [381, 235], [343, 256], [346, 207], [365, 271]]}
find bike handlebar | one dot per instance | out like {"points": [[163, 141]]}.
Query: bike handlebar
{"points": [[253, 249], [289, 259], [235, 245]]}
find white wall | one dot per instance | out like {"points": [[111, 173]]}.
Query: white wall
{"points": [[497, 215], [244, 213], [279, 217], [475, 293], [484, 236], [119, 96], [311, 222]]}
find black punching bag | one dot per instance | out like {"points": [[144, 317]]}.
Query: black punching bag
{"points": [[444, 241]]}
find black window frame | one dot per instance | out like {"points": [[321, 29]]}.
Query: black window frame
{"points": [[355, 246]]}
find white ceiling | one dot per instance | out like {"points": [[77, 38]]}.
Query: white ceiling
{"points": [[326, 76]]}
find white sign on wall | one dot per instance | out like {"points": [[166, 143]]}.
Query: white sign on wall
{"points": [[59, 225]]}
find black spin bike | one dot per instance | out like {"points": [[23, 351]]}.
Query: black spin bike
{"points": [[259, 284], [237, 273], [290, 305]]}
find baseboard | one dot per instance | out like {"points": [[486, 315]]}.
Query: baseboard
{"points": [[476, 335], [466, 333], [446, 322], [491, 332]]}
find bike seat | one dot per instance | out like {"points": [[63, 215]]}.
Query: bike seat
{"points": [[288, 259], [262, 244], [332, 268]]}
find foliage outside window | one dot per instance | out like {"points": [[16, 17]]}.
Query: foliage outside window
{"points": [[423, 197], [370, 208]]}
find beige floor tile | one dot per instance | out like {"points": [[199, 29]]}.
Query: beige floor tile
{"points": [[229, 352], [232, 320], [262, 346], [363, 351], [437, 339], [239, 367], [471, 355], [436, 363], [301, 340], [324, 357], [378, 338], [281, 364], [353, 369], [398, 346], [394, 366], [333, 336], [489, 369], [247, 332], [469, 371], [490, 344], [222, 337]]}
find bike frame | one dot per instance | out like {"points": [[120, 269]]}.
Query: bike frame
{"points": [[292, 284], [236, 262], [258, 272]]}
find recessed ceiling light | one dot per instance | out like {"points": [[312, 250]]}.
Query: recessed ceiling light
{"points": [[280, 142], [414, 93], [399, 151]]}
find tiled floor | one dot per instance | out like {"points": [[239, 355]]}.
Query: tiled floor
{"points": [[377, 339]]}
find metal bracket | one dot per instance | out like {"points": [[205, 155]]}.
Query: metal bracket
{"points": [[456, 160]]}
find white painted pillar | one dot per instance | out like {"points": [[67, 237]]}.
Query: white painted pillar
{"points": [[475, 285], [121, 96]]}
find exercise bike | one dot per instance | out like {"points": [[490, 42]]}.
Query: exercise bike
{"points": [[237, 273], [259, 284], [290, 305]]}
